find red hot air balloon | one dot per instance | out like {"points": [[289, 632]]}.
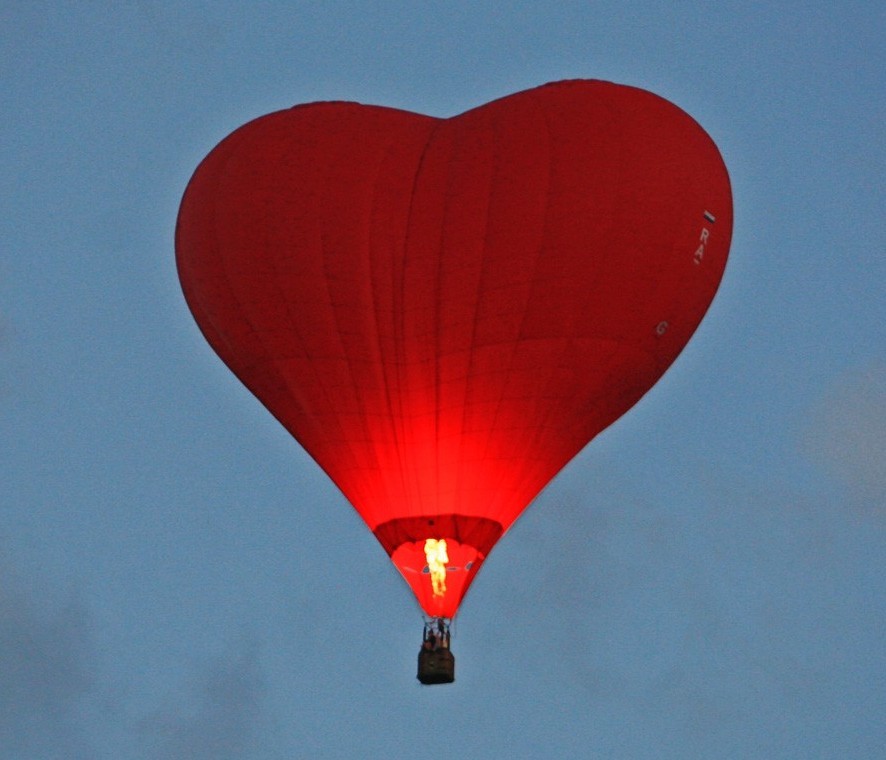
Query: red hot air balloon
{"points": [[443, 312]]}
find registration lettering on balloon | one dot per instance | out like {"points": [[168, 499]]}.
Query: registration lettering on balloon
{"points": [[703, 240]]}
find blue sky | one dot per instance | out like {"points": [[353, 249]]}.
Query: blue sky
{"points": [[178, 579]]}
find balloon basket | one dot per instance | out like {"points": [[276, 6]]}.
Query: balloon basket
{"points": [[436, 663]]}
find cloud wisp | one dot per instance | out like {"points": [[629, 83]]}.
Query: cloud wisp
{"points": [[46, 676], [215, 717], [847, 431]]}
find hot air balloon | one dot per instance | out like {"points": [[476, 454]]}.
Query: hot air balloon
{"points": [[444, 312]]}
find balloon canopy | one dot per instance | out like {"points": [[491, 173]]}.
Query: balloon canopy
{"points": [[443, 312]]}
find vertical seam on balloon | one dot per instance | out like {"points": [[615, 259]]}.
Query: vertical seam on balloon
{"points": [[623, 346], [621, 214], [384, 365], [225, 277], [536, 472], [293, 391], [400, 324], [376, 328], [567, 440], [529, 444], [493, 418], [344, 439], [537, 477], [438, 343], [268, 361], [297, 341], [216, 247], [472, 345], [247, 369]]}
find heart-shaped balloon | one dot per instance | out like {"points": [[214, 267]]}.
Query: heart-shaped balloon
{"points": [[443, 312]]}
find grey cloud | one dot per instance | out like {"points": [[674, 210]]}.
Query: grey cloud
{"points": [[217, 715], [846, 433], [45, 677]]}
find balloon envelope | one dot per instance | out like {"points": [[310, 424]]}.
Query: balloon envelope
{"points": [[443, 312]]}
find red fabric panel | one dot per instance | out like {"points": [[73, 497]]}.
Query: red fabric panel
{"points": [[443, 312]]}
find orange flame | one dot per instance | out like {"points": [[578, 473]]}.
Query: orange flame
{"points": [[435, 553]]}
